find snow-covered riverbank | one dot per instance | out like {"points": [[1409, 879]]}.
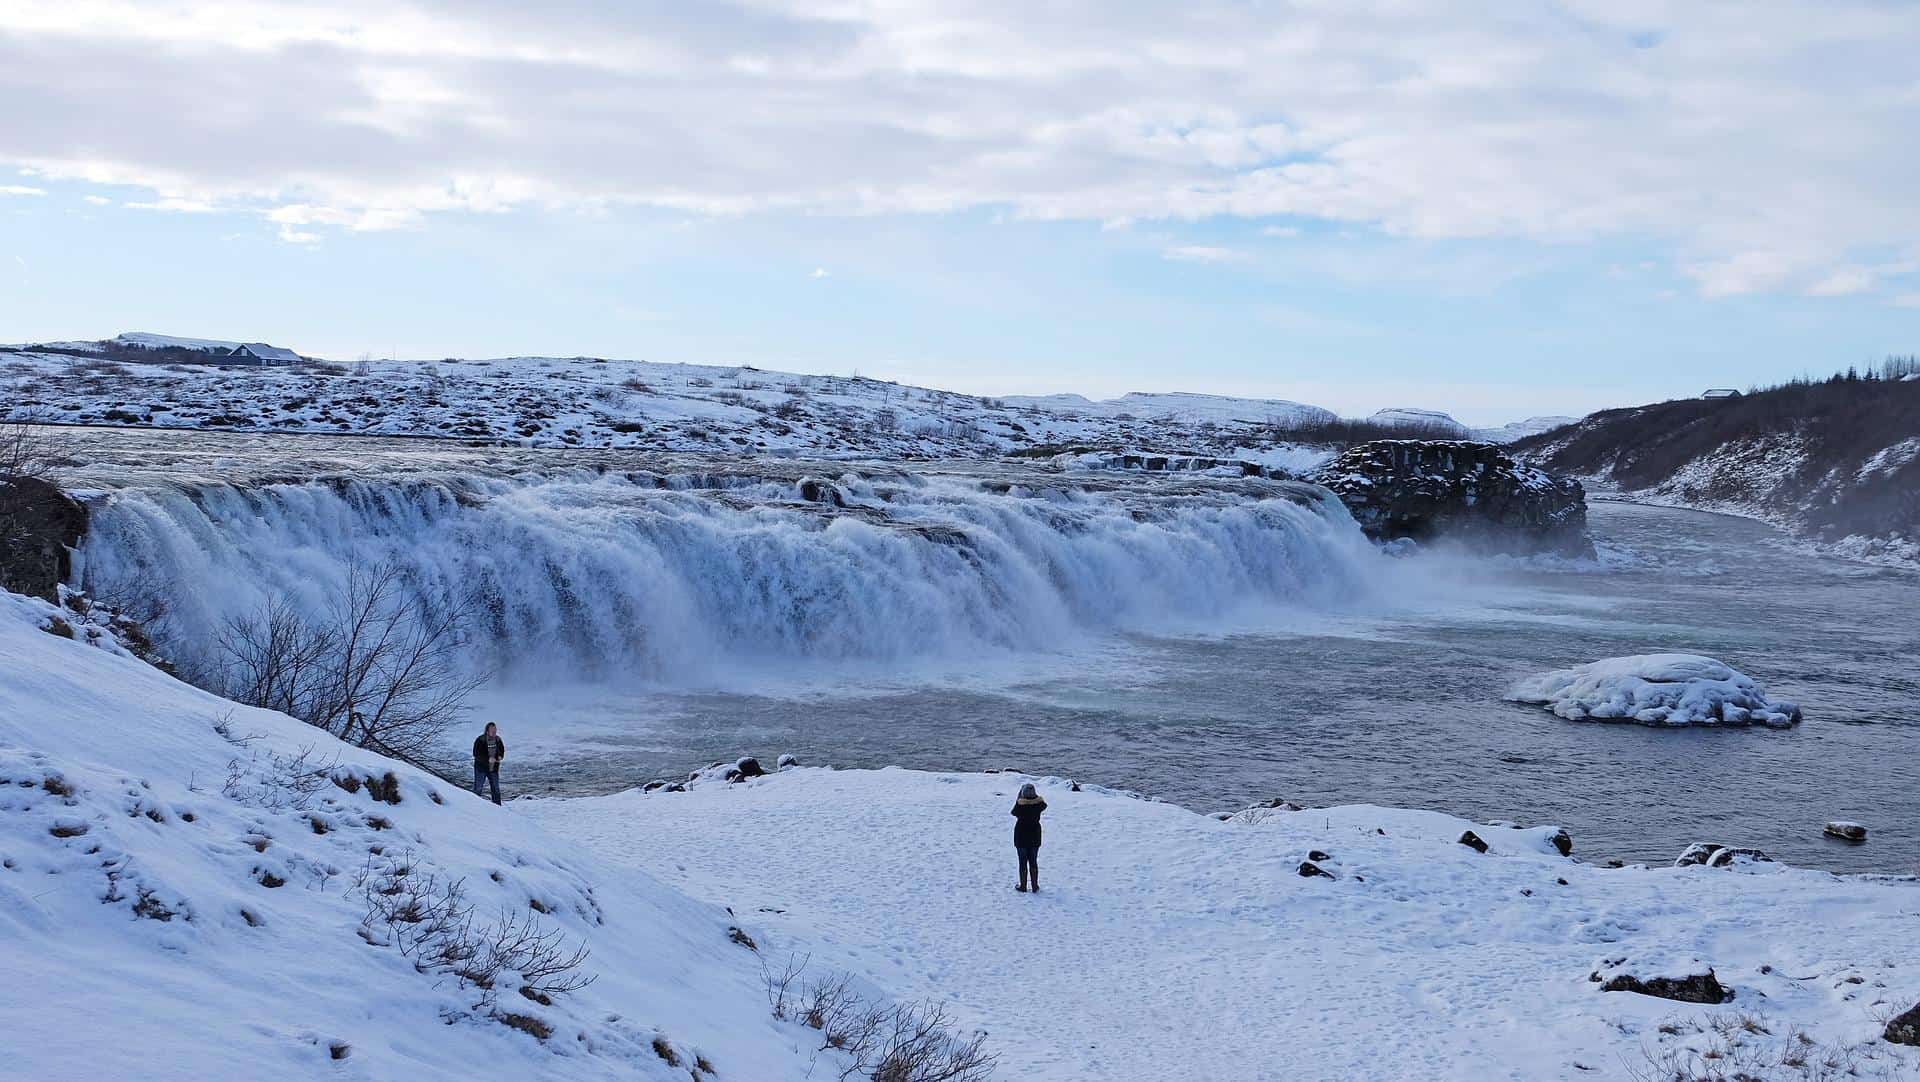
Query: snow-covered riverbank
{"points": [[1168, 944], [213, 879]]}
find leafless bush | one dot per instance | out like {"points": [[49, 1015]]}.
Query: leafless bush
{"points": [[273, 781], [700, 381], [427, 918], [731, 398], [379, 669], [1738, 1046], [885, 420], [901, 1042]]}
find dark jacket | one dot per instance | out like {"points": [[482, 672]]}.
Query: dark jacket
{"points": [[1026, 825], [480, 756]]}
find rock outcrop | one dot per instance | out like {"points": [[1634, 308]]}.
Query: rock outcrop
{"points": [[1904, 1028], [1715, 855], [1686, 980], [39, 528], [1461, 490]]}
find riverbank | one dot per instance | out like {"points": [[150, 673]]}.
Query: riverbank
{"points": [[1169, 944]]}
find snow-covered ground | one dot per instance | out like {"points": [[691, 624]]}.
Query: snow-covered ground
{"points": [[181, 898], [1167, 944], [198, 873], [600, 403], [1656, 689]]}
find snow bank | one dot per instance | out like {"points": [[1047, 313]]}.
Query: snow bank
{"points": [[1656, 689], [1167, 944], [178, 900]]}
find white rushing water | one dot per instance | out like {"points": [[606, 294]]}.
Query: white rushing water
{"points": [[687, 578]]}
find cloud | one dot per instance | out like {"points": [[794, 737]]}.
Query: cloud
{"points": [[97, 200], [821, 272], [1202, 253], [177, 205], [1767, 145], [20, 189], [1843, 282]]}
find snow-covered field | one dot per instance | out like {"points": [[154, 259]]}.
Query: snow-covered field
{"points": [[1170, 945], [601, 403]]}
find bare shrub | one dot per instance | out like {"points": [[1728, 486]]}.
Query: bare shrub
{"points": [[379, 669], [274, 781], [427, 918], [1737, 1046], [900, 1042]]}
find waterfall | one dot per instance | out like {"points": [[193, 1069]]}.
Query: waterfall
{"points": [[593, 575]]}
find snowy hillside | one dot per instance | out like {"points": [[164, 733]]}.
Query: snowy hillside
{"points": [[594, 402], [1837, 462], [192, 890], [1166, 944]]}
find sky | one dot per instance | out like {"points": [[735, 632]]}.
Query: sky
{"points": [[1498, 210]]}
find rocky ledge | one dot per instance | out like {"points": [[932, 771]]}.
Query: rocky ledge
{"points": [[40, 526], [1459, 490]]}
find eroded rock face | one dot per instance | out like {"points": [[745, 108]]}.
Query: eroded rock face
{"points": [[1462, 490], [39, 528]]}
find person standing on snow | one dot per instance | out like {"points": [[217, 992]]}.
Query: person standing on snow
{"points": [[1026, 835], [488, 750]]}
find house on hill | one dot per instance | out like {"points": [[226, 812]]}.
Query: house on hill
{"points": [[1721, 392], [261, 353]]}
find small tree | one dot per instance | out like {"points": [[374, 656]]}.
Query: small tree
{"points": [[380, 668]]}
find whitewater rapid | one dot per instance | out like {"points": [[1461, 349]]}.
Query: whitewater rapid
{"points": [[687, 570]]}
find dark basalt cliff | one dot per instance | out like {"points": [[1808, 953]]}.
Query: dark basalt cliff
{"points": [[1459, 490], [39, 528]]}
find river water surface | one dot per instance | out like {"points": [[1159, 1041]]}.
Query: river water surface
{"points": [[1403, 708]]}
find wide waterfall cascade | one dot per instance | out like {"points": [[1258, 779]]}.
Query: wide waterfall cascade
{"points": [[592, 573]]}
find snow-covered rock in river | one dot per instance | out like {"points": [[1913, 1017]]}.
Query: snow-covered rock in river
{"points": [[1458, 489], [1715, 855], [1656, 689], [1847, 830]]}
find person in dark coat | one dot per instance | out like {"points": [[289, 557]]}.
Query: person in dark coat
{"points": [[488, 750], [1026, 835]]}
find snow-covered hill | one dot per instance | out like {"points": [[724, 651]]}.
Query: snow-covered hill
{"points": [[187, 889], [1836, 462], [143, 379]]}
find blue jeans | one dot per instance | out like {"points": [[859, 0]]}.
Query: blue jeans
{"points": [[491, 777]]}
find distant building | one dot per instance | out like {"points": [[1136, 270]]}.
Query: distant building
{"points": [[1721, 392], [261, 353]]}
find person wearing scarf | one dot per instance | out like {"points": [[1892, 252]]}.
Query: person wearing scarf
{"points": [[1026, 835]]}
